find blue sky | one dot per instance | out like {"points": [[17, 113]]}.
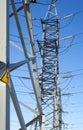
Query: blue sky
{"points": [[70, 62]]}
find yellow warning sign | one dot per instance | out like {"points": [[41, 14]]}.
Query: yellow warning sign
{"points": [[4, 78]]}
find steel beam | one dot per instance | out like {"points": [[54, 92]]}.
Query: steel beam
{"points": [[32, 121], [36, 89], [28, 17], [19, 9], [16, 105], [19, 48], [43, 122], [59, 110], [29, 108]]}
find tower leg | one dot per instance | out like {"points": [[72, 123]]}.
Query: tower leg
{"points": [[43, 122]]}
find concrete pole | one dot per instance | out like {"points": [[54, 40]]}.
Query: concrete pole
{"points": [[4, 57]]}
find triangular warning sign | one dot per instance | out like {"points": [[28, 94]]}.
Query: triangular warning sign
{"points": [[4, 78]]}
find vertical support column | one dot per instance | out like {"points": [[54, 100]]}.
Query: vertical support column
{"points": [[4, 57], [54, 109], [27, 12], [59, 112], [16, 105], [43, 122]]}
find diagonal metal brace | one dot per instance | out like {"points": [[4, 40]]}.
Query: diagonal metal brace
{"points": [[29, 123]]}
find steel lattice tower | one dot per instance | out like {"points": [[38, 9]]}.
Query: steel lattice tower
{"points": [[51, 97], [46, 90]]}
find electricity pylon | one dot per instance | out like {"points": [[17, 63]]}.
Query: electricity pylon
{"points": [[6, 84], [51, 97], [46, 90]]}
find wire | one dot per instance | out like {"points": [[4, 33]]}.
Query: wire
{"points": [[42, 3], [73, 38], [25, 93], [79, 103], [68, 47], [80, 42], [24, 84], [80, 92], [16, 3], [68, 16], [66, 25], [13, 35], [67, 86], [37, 26]]}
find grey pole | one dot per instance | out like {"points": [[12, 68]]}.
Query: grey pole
{"points": [[59, 110], [4, 58], [42, 122]]}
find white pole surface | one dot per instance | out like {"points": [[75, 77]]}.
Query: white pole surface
{"points": [[4, 57]]}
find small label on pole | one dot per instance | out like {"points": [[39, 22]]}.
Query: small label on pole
{"points": [[4, 78]]}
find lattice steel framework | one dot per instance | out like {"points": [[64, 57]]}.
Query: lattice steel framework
{"points": [[51, 97], [47, 93], [8, 89]]}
